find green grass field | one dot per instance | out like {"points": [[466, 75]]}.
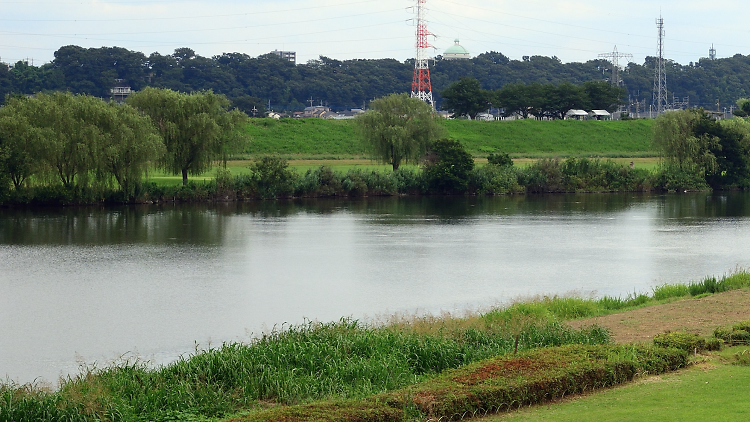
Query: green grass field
{"points": [[310, 143], [712, 391], [335, 139]]}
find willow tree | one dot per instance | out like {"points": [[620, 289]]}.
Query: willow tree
{"points": [[19, 144], [128, 146], [197, 128], [681, 146], [80, 139], [398, 129]]}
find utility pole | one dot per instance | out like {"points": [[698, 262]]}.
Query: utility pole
{"points": [[421, 87], [661, 103], [614, 57]]}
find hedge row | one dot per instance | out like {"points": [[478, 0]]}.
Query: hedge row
{"points": [[494, 385]]}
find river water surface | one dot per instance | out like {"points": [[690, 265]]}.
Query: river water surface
{"points": [[89, 285]]}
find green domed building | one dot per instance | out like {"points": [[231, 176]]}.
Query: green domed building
{"points": [[456, 52]]}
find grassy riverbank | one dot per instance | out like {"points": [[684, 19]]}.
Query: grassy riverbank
{"points": [[714, 388], [337, 139], [401, 369]]}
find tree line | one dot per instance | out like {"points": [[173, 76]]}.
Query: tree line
{"points": [[251, 82], [467, 98], [80, 142]]}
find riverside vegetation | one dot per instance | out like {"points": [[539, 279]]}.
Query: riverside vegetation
{"points": [[405, 368], [101, 153]]}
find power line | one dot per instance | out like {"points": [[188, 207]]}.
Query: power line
{"points": [[233, 15], [660, 77], [614, 57]]}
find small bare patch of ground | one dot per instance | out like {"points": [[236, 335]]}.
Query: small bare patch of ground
{"points": [[700, 316]]}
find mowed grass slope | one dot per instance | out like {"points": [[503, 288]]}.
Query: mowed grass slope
{"points": [[317, 138], [555, 137], [712, 391], [303, 137]]}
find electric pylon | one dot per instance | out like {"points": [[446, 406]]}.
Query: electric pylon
{"points": [[615, 57], [421, 87], [661, 103]]}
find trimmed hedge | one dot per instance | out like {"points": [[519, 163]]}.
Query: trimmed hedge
{"points": [[688, 342], [734, 335], [497, 384]]}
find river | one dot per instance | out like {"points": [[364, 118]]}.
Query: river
{"points": [[88, 286]]}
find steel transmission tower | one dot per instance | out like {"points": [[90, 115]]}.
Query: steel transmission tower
{"points": [[421, 87], [661, 103], [615, 57]]}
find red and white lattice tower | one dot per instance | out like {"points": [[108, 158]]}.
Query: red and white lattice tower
{"points": [[421, 87]]}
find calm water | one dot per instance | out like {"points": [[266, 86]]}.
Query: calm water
{"points": [[88, 285]]}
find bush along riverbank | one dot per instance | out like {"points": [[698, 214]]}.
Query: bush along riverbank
{"points": [[271, 178], [406, 368]]}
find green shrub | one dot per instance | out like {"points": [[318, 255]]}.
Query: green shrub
{"points": [[732, 336], [744, 326], [736, 334], [273, 178], [500, 159], [449, 172], [544, 175], [409, 181], [671, 178], [685, 341], [493, 180], [742, 358], [225, 184]]}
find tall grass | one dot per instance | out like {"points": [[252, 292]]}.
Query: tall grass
{"points": [[313, 361], [561, 308]]}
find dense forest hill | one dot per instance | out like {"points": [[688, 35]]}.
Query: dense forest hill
{"points": [[352, 83]]}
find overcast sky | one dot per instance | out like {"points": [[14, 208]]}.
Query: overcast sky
{"points": [[572, 30]]}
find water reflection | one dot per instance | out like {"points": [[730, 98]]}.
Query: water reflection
{"points": [[206, 224], [689, 208], [112, 226]]}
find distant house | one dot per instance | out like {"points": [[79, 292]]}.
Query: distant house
{"points": [[121, 91], [716, 115], [347, 115], [315, 112], [600, 115], [286, 55], [576, 115]]}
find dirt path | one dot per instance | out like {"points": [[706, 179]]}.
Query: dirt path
{"points": [[700, 316]]}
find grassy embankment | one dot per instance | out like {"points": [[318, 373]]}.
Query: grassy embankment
{"points": [[309, 143], [325, 139], [404, 369]]}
